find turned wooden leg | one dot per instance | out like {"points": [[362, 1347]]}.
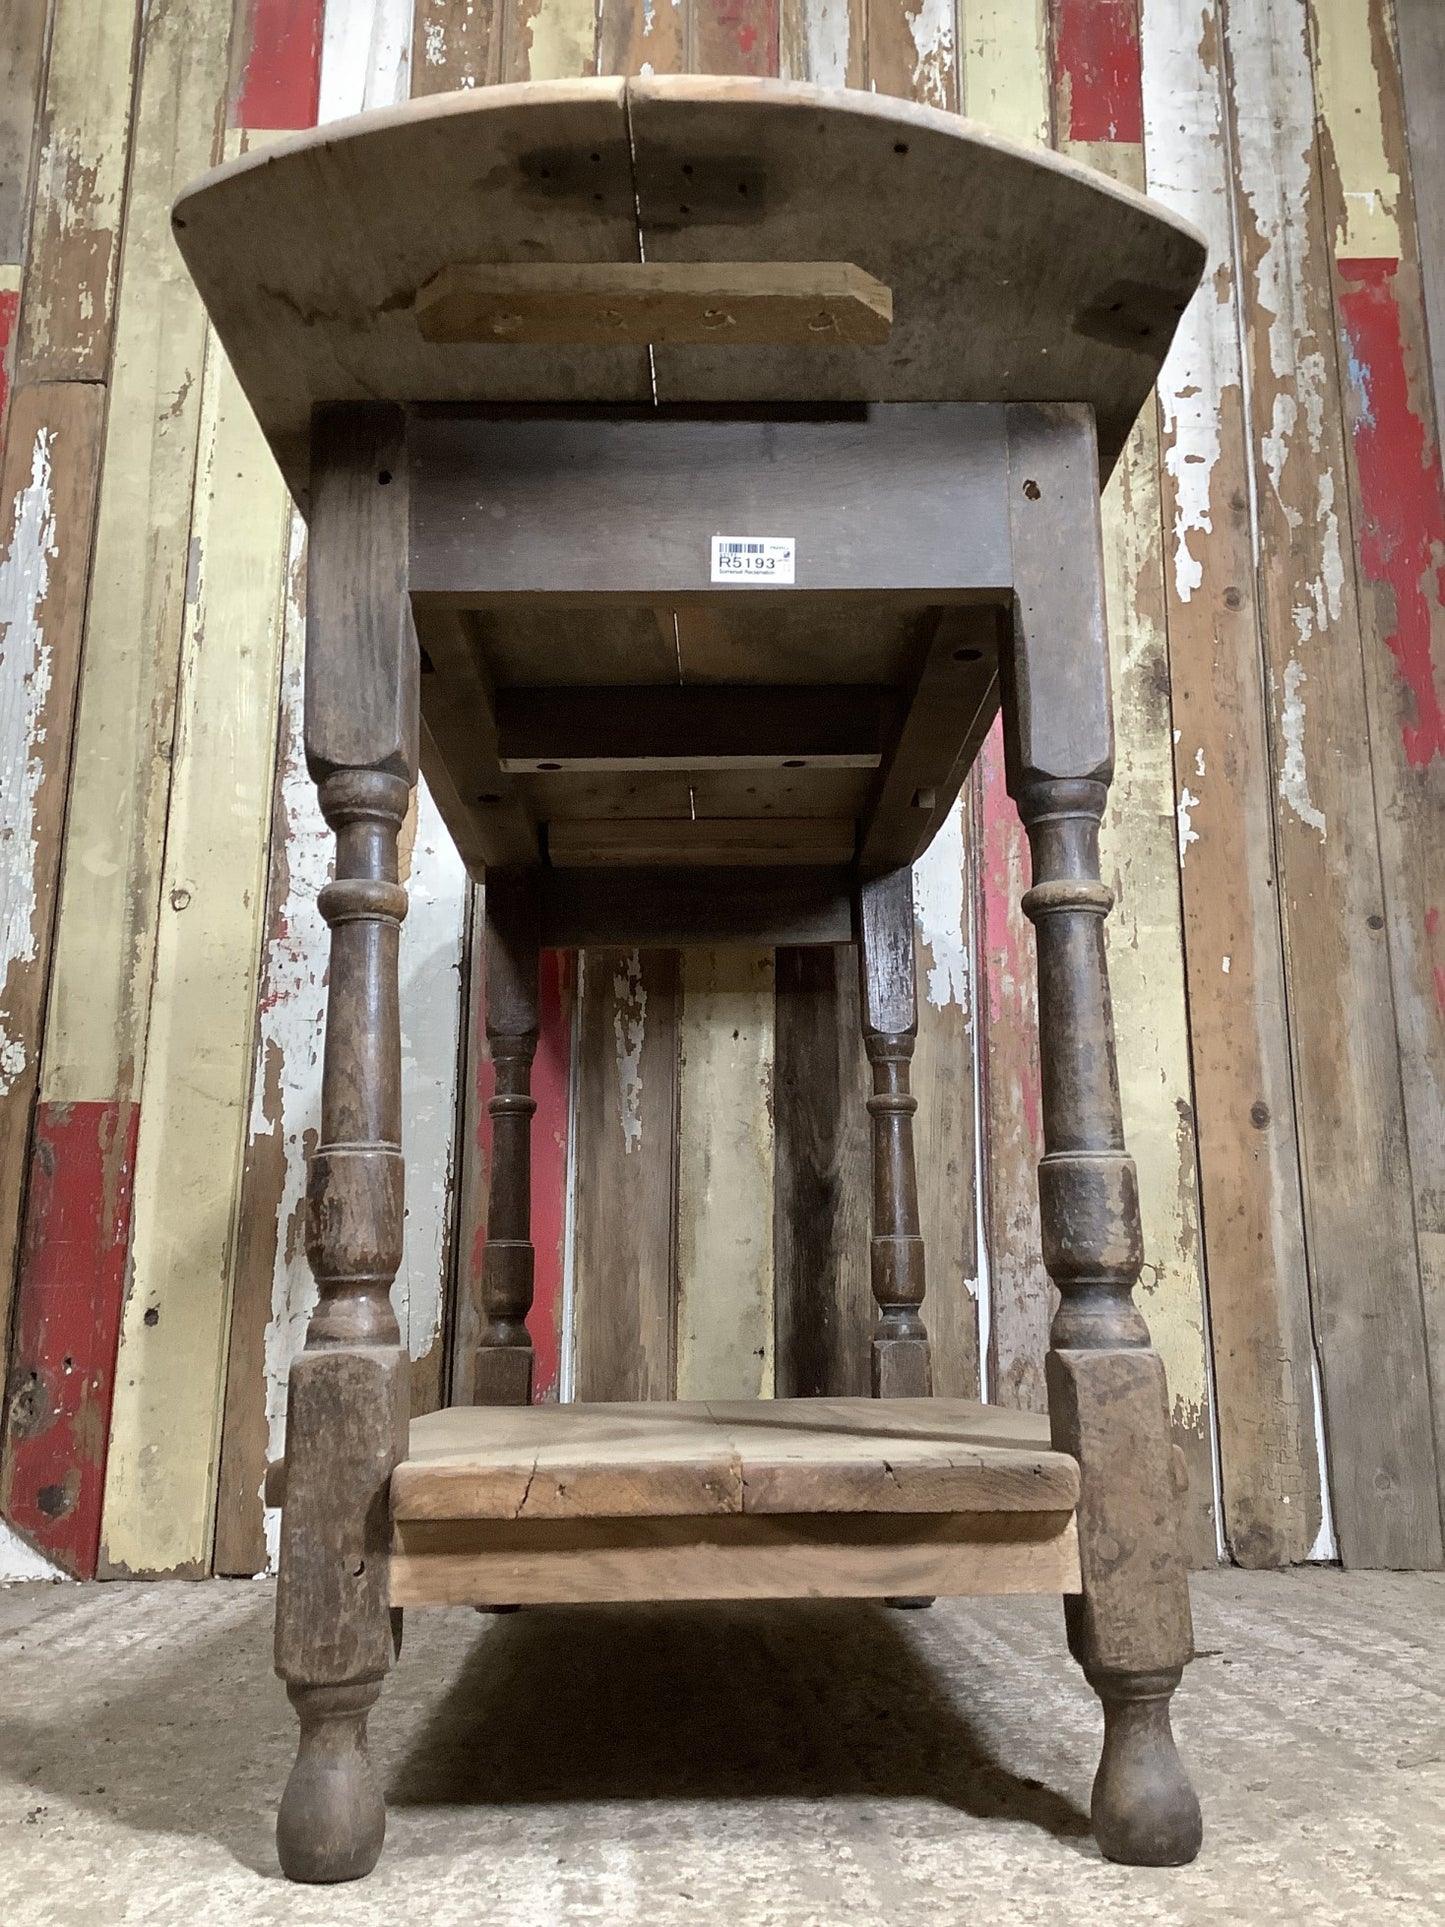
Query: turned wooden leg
{"points": [[901, 1367], [503, 1370], [1130, 1629], [348, 1393], [1108, 1407]]}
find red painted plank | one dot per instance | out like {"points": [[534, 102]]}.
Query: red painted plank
{"points": [[9, 310], [735, 37], [67, 1328], [1402, 540], [552, 1088], [1097, 70], [281, 81]]}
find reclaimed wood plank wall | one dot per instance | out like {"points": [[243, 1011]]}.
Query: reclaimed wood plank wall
{"points": [[1276, 550]]}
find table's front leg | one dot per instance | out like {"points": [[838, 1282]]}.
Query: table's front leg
{"points": [[1130, 1628], [348, 1392]]}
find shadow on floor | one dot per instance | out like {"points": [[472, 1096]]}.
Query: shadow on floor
{"points": [[686, 1702]]}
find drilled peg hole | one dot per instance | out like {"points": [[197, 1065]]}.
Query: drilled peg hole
{"points": [[177, 220], [489, 796], [152, 1316], [384, 477], [900, 147], [795, 762], [968, 655], [687, 167], [358, 1569], [1032, 491], [549, 766]]}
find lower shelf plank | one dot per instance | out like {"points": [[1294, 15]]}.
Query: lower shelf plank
{"points": [[445, 1562]]}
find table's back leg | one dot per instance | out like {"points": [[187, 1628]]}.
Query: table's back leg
{"points": [[503, 1369], [348, 1393], [1130, 1629], [900, 1367]]}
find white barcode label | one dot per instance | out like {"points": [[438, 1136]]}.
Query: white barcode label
{"points": [[752, 558]]}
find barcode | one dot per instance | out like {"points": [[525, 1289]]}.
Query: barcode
{"points": [[764, 560]]}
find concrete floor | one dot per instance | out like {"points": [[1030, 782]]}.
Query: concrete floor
{"points": [[760, 1766]]}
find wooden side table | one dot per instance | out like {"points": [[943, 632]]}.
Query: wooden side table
{"points": [[693, 468]]}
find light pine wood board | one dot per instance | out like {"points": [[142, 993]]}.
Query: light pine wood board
{"points": [[725, 1157], [82, 147], [1144, 938], [1358, 1202], [1397, 503], [712, 1457], [47, 502], [166, 1413], [1268, 1417], [587, 1561]]}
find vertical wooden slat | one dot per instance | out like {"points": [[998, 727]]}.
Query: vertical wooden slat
{"points": [[363, 61], [725, 1175], [912, 52], [1098, 118], [1269, 1423], [1006, 85], [109, 900], [823, 1178], [166, 1415], [63, 1352], [625, 1198], [1420, 25], [1397, 504], [1358, 1205], [731, 36], [23, 26], [74, 230], [455, 43]]}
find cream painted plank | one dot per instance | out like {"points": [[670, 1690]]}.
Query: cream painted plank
{"points": [[165, 1419], [1005, 79], [75, 227], [1270, 1445], [725, 1175], [824, 41], [95, 1034]]}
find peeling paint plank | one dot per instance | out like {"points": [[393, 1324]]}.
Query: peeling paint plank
{"points": [[1020, 1304], [731, 36], [9, 316], [1397, 502], [1098, 119], [625, 1195], [725, 1175], [95, 1028], [943, 1081], [1358, 1207], [1006, 83], [455, 43], [80, 183], [824, 41], [1270, 1444], [67, 1324], [280, 76], [1420, 25], [47, 498], [548, 39], [22, 71], [913, 51], [166, 1413]]}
